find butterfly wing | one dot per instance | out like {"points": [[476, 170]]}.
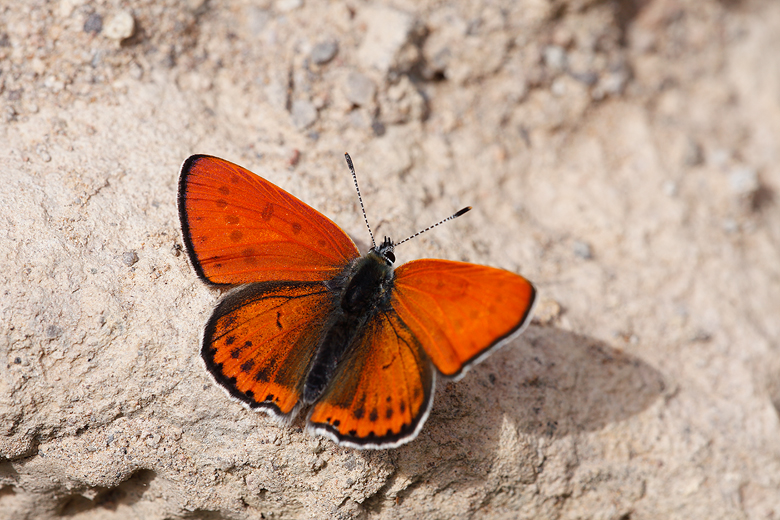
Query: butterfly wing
{"points": [[239, 228], [381, 392], [260, 341], [460, 312]]}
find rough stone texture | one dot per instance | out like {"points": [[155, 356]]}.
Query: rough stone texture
{"points": [[647, 130]]}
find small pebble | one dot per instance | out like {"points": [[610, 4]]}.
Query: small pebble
{"points": [[135, 70], [693, 155], [93, 24], [303, 113], [718, 158], [43, 153], [589, 78], [558, 87], [9, 114], [323, 52], [555, 57], [387, 31], [582, 250], [360, 89], [285, 6], [66, 7], [614, 81], [120, 26], [257, 19], [153, 439], [38, 66], [294, 158], [129, 258], [378, 127], [730, 225], [53, 331], [53, 83], [97, 58], [744, 180], [562, 36], [547, 311]]}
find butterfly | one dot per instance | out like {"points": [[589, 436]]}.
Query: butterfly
{"points": [[311, 323]]}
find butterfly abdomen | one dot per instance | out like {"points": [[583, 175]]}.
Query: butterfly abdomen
{"points": [[366, 290]]}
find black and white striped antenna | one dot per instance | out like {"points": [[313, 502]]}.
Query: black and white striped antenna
{"points": [[365, 218], [362, 208], [439, 223]]}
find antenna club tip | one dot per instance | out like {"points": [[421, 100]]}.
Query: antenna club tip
{"points": [[461, 212]]}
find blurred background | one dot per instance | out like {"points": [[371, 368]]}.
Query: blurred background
{"points": [[621, 154]]}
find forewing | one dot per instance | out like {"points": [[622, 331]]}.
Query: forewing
{"points": [[239, 228], [382, 391], [260, 341], [460, 311]]}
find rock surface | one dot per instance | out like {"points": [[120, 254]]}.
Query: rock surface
{"points": [[624, 156]]}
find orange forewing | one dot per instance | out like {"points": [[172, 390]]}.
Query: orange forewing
{"points": [[382, 390], [240, 228], [459, 311], [260, 341]]}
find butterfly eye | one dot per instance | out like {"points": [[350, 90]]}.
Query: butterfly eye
{"points": [[385, 250]]}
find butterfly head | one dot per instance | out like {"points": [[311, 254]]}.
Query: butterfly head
{"points": [[385, 250]]}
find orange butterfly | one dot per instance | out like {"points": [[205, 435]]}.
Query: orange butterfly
{"points": [[314, 323]]}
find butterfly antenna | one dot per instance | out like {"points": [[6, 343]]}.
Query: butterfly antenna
{"points": [[362, 208], [456, 215]]}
